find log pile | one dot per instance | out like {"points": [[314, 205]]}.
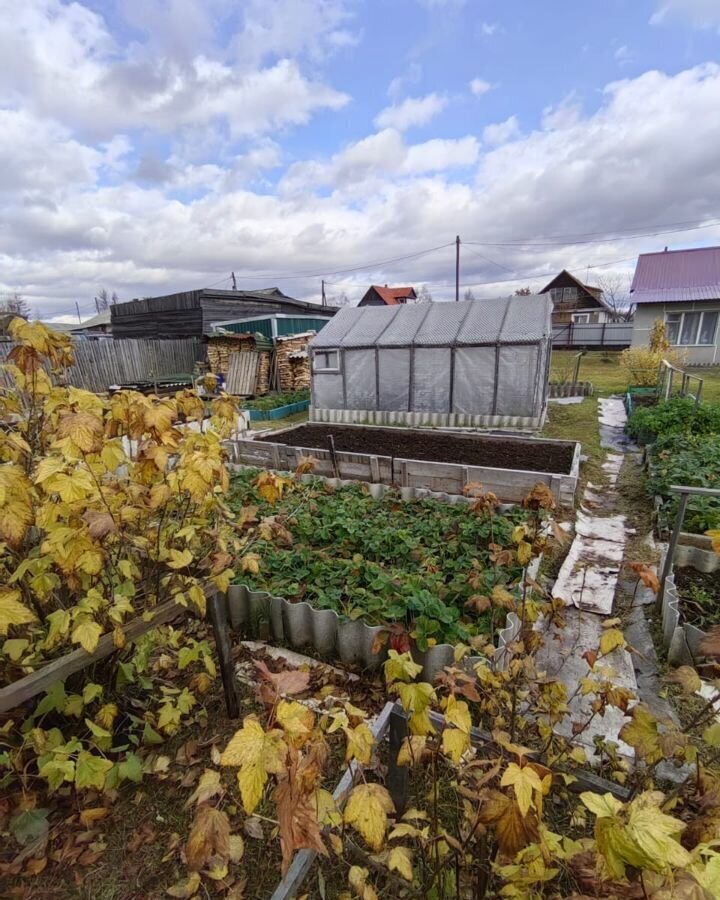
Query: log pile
{"points": [[219, 350], [263, 377], [293, 362]]}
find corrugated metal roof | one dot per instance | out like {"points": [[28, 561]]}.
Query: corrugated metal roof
{"points": [[675, 276], [514, 320]]}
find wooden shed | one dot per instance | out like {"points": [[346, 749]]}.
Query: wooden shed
{"points": [[193, 313]]}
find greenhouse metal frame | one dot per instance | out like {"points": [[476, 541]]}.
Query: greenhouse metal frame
{"points": [[479, 363]]}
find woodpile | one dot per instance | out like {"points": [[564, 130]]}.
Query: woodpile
{"points": [[293, 362], [219, 350], [263, 375]]}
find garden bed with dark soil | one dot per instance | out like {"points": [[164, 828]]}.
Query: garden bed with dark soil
{"points": [[699, 593], [497, 452]]}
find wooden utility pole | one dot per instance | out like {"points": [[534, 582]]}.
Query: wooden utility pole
{"points": [[78, 312], [234, 281], [457, 268], [324, 298]]}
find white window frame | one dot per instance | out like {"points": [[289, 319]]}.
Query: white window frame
{"points": [[581, 318], [328, 366], [701, 313]]}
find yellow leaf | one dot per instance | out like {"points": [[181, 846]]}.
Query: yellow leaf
{"points": [[250, 563], [411, 750], [457, 713], [642, 734], [686, 677], [711, 735], [366, 810], [400, 667], [178, 559], [87, 634], [237, 848], [611, 640], [524, 553], [208, 787], [257, 753], [714, 535], [106, 715], [455, 743], [360, 743], [524, 781], [12, 611], [187, 888], [84, 429], [209, 837], [297, 721], [416, 700], [400, 860], [89, 816]]}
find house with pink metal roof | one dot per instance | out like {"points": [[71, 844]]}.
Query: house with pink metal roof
{"points": [[682, 289]]}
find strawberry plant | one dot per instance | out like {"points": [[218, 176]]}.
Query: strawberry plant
{"points": [[427, 566], [692, 460]]}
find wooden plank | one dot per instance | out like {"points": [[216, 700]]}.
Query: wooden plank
{"points": [[59, 669]]}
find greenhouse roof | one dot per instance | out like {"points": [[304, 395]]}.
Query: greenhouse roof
{"points": [[507, 320]]}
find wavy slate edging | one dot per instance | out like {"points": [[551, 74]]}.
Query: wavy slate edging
{"points": [[565, 389], [262, 616], [682, 639]]}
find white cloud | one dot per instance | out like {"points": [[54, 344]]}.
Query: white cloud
{"points": [[700, 13], [78, 212], [411, 112], [377, 157], [501, 132], [400, 83], [478, 87], [488, 29], [623, 55], [89, 83]]}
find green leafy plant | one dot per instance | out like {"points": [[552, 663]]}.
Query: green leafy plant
{"points": [[681, 415], [274, 401]]}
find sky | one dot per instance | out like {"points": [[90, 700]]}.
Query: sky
{"points": [[154, 146]]}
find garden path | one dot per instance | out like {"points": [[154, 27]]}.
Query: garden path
{"points": [[588, 583]]}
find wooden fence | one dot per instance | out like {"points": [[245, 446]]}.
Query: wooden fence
{"points": [[98, 364]]}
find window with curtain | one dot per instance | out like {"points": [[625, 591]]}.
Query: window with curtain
{"points": [[688, 328]]}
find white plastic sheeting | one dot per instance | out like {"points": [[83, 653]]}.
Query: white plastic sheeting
{"points": [[474, 387], [431, 379], [360, 380], [394, 378]]}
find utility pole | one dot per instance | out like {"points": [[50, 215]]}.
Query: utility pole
{"points": [[78, 312], [457, 268], [324, 298], [234, 281]]}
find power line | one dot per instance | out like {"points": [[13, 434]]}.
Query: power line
{"points": [[568, 241], [367, 265]]}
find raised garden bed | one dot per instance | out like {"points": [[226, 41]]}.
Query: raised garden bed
{"points": [[355, 573], [690, 601], [434, 460], [278, 412]]}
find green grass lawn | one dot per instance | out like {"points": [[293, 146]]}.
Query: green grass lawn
{"points": [[604, 370]]}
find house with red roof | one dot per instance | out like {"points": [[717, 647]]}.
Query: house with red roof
{"points": [[682, 289], [378, 295]]}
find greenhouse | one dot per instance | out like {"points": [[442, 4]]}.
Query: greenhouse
{"points": [[481, 363]]}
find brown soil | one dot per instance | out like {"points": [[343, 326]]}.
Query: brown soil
{"points": [[700, 596], [499, 453]]}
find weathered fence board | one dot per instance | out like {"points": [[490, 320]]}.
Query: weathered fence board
{"points": [[99, 364]]}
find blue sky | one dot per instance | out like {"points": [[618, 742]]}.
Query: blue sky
{"points": [[149, 146]]}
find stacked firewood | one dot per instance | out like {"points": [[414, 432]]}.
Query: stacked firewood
{"points": [[293, 363], [262, 385], [219, 350]]}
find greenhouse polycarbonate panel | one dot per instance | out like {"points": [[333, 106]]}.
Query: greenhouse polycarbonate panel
{"points": [[333, 333], [431, 379], [441, 324], [328, 391], [369, 325], [394, 377], [483, 322], [403, 328], [360, 384], [517, 375], [474, 385], [527, 319]]}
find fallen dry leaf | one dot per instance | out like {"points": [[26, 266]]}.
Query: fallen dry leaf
{"points": [[89, 816]]}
